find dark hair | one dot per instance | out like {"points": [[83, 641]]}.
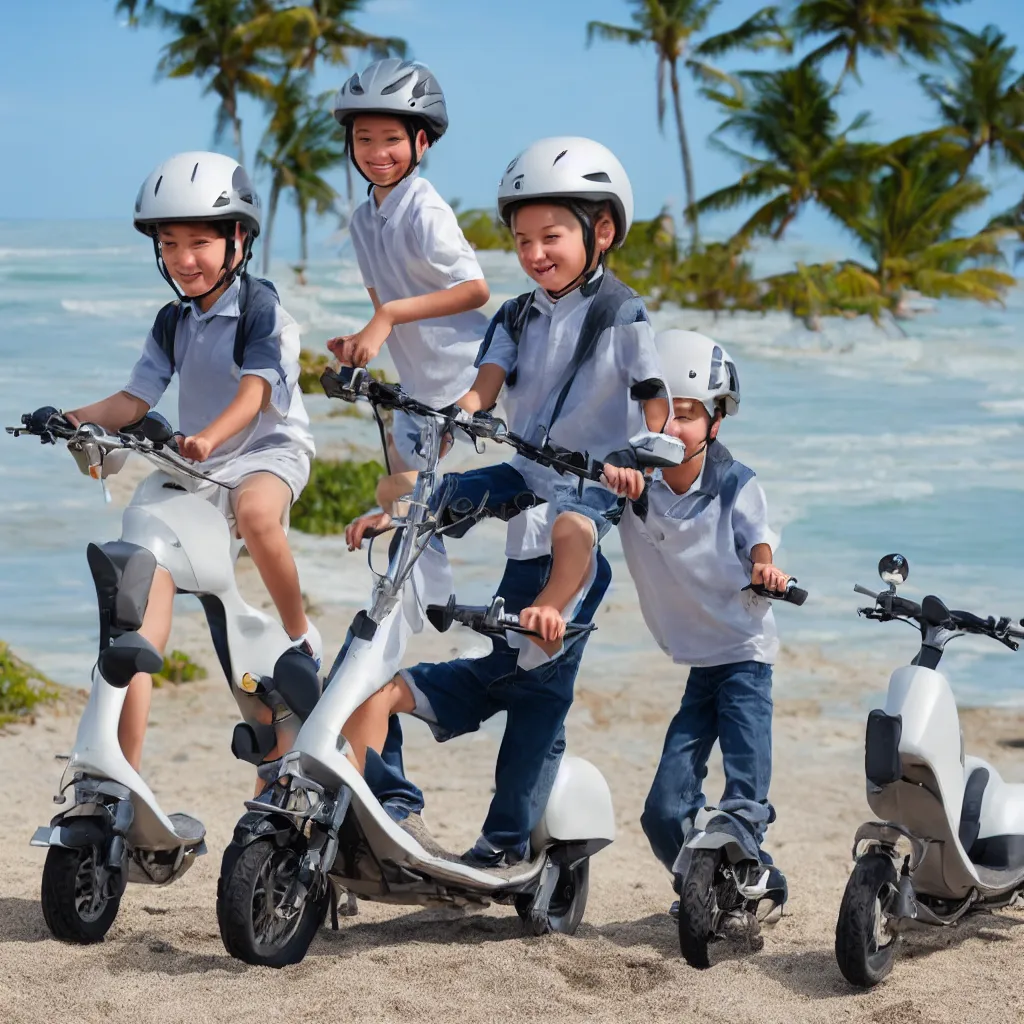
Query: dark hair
{"points": [[590, 208], [225, 228]]}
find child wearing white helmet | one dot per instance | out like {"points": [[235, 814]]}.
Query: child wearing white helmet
{"points": [[577, 357], [235, 351], [705, 536], [422, 275]]}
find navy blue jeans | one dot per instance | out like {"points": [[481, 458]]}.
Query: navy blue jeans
{"points": [[467, 691], [730, 703]]}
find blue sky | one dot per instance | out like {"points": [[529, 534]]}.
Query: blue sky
{"points": [[83, 119]]}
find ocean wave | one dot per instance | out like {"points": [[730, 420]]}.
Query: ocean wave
{"points": [[42, 254], [112, 309]]}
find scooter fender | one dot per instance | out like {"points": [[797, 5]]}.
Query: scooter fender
{"points": [[253, 826], [721, 832], [579, 809], [72, 833]]}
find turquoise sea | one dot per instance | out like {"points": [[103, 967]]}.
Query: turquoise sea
{"points": [[866, 440]]}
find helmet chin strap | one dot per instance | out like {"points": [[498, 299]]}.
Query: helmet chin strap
{"points": [[228, 272]]}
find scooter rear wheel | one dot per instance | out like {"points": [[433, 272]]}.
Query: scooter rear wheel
{"points": [[73, 907], [255, 926], [864, 951], [566, 906]]}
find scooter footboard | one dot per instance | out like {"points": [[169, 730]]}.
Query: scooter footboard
{"points": [[579, 807]]}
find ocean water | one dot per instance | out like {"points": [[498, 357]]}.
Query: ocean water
{"points": [[866, 441]]}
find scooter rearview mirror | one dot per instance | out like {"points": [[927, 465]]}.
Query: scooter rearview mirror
{"points": [[893, 569]]}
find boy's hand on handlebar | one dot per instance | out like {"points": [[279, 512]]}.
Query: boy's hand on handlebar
{"points": [[365, 526], [624, 481], [359, 348], [545, 620], [197, 448], [770, 576]]}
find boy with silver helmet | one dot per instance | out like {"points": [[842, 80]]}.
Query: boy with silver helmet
{"points": [[705, 536], [235, 351], [422, 275], [577, 357]]}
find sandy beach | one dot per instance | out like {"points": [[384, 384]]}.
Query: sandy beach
{"points": [[163, 960]]}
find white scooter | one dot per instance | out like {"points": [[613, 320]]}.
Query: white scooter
{"points": [[318, 826], [115, 831], [957, 828]]}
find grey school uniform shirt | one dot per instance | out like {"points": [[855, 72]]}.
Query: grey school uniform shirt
{"points": [[208, 379]]}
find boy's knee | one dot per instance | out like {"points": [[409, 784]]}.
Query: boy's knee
{"points": [[573, 528], [256, 518]]}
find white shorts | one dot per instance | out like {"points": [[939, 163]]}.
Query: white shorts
{"points": [[290, 466]]}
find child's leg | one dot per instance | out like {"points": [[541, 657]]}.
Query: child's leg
{"points": [[676, 791], [404, 463], [260, 502], [156, 628], [745, 736], [367, 726]]}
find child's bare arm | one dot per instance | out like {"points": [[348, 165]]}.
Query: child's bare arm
{"points": [[359, 348], [572, 546], [251, 398], [485, 390], [112, 413]]}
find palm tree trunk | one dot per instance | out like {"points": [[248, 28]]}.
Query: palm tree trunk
{"points": [[684, 149], [303, 235], [275, 192], [236, 125]]}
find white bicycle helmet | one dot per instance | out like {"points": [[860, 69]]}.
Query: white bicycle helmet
{"points": [[694, 366], [568, 168], [197, 187], [404, 88], [201, 187]]}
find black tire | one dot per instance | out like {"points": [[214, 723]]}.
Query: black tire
{"points": [[862, 958], [248, 926], [567, 905], [72, 909], [697, 903]]}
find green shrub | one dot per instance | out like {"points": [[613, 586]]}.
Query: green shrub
{"points": [[337, 492], [483, 230], [22, 687], [311, 366], [178, 667]]}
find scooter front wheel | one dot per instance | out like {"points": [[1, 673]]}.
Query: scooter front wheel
{"points": [[75, 906], [566, 905], [258, 921], [865, 949]]}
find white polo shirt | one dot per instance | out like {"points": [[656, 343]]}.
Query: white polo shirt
{"points": [[412, 245], [599, 416], [690, 560], [208, 377]]}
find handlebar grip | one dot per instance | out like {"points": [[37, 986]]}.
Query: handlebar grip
{"points": [[858, 589], [792, 594]]}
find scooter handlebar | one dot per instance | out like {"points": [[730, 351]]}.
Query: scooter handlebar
{"points": [[792, 594], [491, 621]]}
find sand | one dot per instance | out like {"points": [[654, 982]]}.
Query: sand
{"points": [[163, 960]]}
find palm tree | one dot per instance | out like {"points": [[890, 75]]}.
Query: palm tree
{"points": [[215, 43], [320, 29], [788, 117], [908, 223], [894, 27], [669, 25], [302, 142], [983, 100]]}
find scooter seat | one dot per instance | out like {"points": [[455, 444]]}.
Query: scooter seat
{"points": [[187, 828]]}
